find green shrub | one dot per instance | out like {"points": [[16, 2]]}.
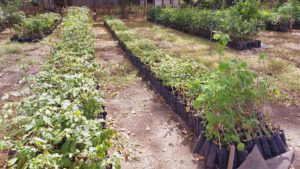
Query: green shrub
{"points": [[275, 19], [291, 8], [230, 92], [12, 13], [13, 18], [243, 20], [36, 25], [240, 21]]}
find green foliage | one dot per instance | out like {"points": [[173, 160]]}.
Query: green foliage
{"points": [[11, 12], [240, 21], [244, 19], [240, 146], [284, 16], [275, 19], [36, 25], [291, 8], [2, 19], [213, 4], [189, 17], [246, 9], [226, 98], [230, 93], [57, 124], [223, 40]]}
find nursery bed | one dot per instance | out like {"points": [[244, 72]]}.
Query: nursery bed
{"points": [[282, 67], [273, 146], [281, 61], [139, 114], [278, 28], [238, 45], [37, 37], [17, 62], [86, 123], [296, 25]]}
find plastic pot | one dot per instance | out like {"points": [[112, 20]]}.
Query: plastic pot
{"points": [[199, 143]]}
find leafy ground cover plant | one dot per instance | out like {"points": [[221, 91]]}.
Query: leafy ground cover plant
{"points": [[226, 97], [36, 26], [57, 124]]}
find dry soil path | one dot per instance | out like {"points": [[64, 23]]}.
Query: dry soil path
{"points": [[153, 136]]}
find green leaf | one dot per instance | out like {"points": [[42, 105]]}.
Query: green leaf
{"points": [[217, 36], [241, 146], [65, 162], [47, 120], [12, 161], [39, 141], [220, 51], [197, 103], [65, 147], [223, 66], [262, 56], [30, 126]]}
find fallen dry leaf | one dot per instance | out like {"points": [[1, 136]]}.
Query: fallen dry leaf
{"points": [[147, 128]]}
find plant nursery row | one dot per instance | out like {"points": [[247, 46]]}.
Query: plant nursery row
{"points": [[241, 22], [206, 99], [61, 121], [34, 28]]}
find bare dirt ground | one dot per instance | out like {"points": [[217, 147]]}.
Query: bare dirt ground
{"points": [[3, 157], [288, 117], [151, 136], [282, 67], [17, 61], [283, 45]]}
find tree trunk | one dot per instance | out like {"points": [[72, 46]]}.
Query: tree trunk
{"points": [[109, 6], [198, 4], [95, 10], [129, 7], [123, 6]]}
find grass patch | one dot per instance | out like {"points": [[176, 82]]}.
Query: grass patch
{"points": [[25, 63], [276, 67], [8, 47], [116, 77]]}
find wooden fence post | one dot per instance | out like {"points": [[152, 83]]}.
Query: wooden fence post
{"points": [[95, 10]]}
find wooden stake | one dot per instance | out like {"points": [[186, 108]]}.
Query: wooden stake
{"points": [[231, 157]]}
